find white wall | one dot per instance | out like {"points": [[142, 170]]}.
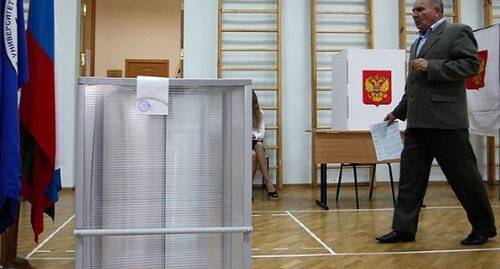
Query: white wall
{"points": [[200, 61], [66, 56], [386, 25], [296, 94], [200, 38], [472, 13], [115, 17]]}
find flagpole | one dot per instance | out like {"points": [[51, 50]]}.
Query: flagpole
{"points": [[8, 255], [9, 243]]}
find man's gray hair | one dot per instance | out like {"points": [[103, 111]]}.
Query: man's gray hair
{"points": [[438, 3]]}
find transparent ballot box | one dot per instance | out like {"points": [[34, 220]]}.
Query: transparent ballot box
{"points": [[163, 191]]}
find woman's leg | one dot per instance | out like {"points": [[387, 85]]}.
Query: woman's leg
{"points": [[254, 164], [261, 160]]}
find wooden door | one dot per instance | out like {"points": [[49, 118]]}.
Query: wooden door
{"points": [[87, 34], [138, 67]]}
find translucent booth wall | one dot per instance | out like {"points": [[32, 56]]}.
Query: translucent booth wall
{"points": [[156, 191]]}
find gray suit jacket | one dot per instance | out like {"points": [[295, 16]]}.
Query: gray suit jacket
{"points": [[437, 98]]}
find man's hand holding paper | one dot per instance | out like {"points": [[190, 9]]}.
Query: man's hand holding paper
{"points": [[386, 140]]}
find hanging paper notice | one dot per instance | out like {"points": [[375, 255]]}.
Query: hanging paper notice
{"points": [[152, 95]]}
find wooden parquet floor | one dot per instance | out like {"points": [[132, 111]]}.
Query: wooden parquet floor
{"points": [[294, 232]]}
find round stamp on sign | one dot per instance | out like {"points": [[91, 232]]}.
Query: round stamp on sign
{"points": [[143, 105]]}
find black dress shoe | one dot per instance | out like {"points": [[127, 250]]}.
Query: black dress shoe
{"points": [[394, 237], [475, 239]]}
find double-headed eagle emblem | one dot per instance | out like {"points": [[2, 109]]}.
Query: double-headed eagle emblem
{"points": [[476, 82], [377, 87]]}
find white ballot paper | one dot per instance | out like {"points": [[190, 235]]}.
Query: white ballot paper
{"points": [[152, 95], [387, 140]]}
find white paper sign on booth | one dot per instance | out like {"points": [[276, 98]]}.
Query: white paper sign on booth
{"points": [[366, 85]]}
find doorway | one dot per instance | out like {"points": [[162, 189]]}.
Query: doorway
{"points": [[116, 30]]}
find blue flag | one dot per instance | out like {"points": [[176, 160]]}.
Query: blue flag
{"points": [[13, 74]]}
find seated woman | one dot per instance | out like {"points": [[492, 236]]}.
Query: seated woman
{"points": [[258, 151]]}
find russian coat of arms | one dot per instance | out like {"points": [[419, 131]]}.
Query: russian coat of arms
{"points": [[377, 87], [477, 82]]}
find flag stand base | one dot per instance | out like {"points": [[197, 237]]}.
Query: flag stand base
{"points": [[8, 255], [17, 263]]}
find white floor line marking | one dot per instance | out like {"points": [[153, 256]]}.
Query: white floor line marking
{"points": [[311, 248], [423, 252], [279, 249], [293, 255], [70, 251], [311, 233], [255, 215], [49, 237], [255, 249], [358, 210], [327, 211], [380, 253], [54, 258], [279, 215], [44, 251]]}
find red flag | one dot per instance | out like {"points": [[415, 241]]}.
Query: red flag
{"points": [[477, 82], [40, 177]]}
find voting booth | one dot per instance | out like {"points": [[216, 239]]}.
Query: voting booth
{"points": [[366, 85], [163, 191], [483, 90]]}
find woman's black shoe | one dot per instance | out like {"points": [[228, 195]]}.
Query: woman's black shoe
{"points": [[270, 195]]}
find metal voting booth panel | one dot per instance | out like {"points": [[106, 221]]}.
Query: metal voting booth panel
{"points": [[158, 191]]}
